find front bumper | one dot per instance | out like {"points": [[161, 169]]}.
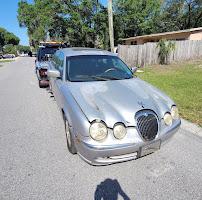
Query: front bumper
{"points": [[99, 154]]}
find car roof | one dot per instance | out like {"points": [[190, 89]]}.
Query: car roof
{"points": [[79, 51]]}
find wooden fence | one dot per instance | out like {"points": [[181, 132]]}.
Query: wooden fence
{"points": [[147, 54]]}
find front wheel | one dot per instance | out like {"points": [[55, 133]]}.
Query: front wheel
{"points": [[43, 84], [40, 84], [70, 142]]}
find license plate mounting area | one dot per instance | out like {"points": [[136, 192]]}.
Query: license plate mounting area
{"points": [[150, 148]]}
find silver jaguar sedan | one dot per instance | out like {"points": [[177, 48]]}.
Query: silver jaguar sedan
{"points": [[110, 115]]}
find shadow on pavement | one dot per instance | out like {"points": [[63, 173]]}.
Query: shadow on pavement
{"points": [[109, 190]]}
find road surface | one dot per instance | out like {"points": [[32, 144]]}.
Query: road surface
{"points": [[35, 163]]}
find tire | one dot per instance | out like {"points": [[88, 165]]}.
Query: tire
{"points": [[70, 142], [41, 85]]}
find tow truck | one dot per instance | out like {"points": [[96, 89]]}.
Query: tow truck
{"points": [[45, 52]]}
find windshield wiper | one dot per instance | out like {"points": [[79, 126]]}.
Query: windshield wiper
{"points": [[98, 77], [103, 77], [90, 78]]}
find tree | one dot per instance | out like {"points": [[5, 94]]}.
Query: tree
{"points": [[139, 17], [10, 49], [23, 49], [165, 48], [179, 15], [79, 22], [135, 17], [2, 39], [85, 22], [7, 38]]}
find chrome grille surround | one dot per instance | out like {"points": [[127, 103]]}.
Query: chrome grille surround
{"points": [[147, 124]]}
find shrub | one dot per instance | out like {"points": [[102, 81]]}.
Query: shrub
{"points": [[23, 49], [10, 49], [165, 48]]}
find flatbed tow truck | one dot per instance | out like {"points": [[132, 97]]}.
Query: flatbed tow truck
{"points": [[45, 52]]}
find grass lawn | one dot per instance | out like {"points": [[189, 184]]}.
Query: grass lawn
{"points": [[183, 83], [5, 61]]}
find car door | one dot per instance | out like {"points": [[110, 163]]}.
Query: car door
{"points": [[58, 82]]}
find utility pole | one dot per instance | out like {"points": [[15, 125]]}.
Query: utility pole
{"points": [[111, 28]]}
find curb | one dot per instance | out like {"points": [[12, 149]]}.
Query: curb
{"points": [[193, 128]]}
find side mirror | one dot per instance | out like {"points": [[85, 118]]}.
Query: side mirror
{"points": [[134, 69], [53, 73]]}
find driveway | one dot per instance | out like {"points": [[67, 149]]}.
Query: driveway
{"points": [[35, 163]]}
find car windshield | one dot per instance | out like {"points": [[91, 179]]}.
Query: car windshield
{"points": [[96, 67]]}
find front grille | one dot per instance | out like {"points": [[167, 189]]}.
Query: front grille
{"points": [[147, 124]]}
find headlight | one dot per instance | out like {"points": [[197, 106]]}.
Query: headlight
{"points": [[119, 131], [168, 119], [175, 112], [98, 131]]}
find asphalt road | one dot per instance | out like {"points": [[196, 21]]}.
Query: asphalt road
{"points": [[35, 163]]}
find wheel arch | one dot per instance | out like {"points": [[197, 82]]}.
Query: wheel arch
{"points": [[66, 116]]}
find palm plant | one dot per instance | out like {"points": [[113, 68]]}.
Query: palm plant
{"points": [[165, 48]]}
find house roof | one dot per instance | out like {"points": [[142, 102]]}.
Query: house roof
{"points": [[163, 34]]}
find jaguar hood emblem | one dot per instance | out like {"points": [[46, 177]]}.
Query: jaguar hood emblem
{"points": [[141, 104]]}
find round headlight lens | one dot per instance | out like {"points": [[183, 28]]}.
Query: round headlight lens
{"points": [[98, 131], [119, 131], [168, 119], [175, 112]]}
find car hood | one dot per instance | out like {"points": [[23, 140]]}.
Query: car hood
{"points": [[118, 100]]}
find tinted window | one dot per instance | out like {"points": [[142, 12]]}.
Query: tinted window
{"points": [[43, 52], [96, 67]]}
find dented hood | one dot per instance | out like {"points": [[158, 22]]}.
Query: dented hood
{"points": [[118, 100]]}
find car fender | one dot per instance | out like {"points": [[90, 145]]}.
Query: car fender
{"points": [[73, 113]]}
